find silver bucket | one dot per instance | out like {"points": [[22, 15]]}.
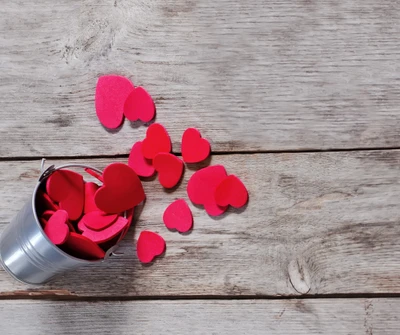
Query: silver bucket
{"points": [[26, 252]]}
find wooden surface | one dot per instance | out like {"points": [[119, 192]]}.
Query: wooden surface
{"points": [[323, 316], [300, 74], [271, 85]]}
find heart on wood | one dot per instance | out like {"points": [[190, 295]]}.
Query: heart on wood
{"points": [[231, 191], [194, 148], [169, 168], [56, 228], [139, 106], [178, 216], [149, 245], [201, 188], [142, 166], [82, 247], [111, 94], [106, 234], [157, 140], [67, 188], [121, 191]]}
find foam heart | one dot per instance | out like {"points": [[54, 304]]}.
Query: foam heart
{"points": [[139, 106], [97, 220], [106, 234], [67, 188], [231, 191], [82, 247], [44, 202], [111, 94], [178, 216], [201, 188], [142, 166], [90, 191], [56, 228], [149, 245], [157, 140], [194, 148], [121, 191], [169, 168]]}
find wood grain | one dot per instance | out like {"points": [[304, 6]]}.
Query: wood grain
{"points": [[252, 75], [322, 316], [316, 223]]}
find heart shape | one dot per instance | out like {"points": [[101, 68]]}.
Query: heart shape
{"points": [[106, 234], [201, 188], [56, 228], [90, 191], [178, 216], [231, 191], [138, 163], [82, 247], [157, 140], [139, 106], [149, 245], [194, 148], [97, 220], [111, 94], [68, 189], [121, 191], [169, 168]]}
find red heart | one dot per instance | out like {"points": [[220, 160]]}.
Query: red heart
{"points": [[82, 247], [201, 188], [139, 106], [56, 228], [138, 163], [98, 220], [169, 168], [157, 140], [178, 216], [67, 188], [44, 202], [111, 94], [231, 191], [90, 191], [106, 234], [149, 245], [121, 191], [194, 148]]}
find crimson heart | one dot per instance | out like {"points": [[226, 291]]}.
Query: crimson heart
{"points": [[201, 188], [149, 245], [111, 94], [121, 191], [97, 220], [194, 148], [178, 216], [157, 140], [67, 188], [231, 191], [138, 163], [56, 228], [169, 168], [82, 247], [90, 191], [106, 234], [139, 106]]}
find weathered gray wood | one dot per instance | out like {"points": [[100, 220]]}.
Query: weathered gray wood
{"points": [[252, 75], [316, 223], [322, 316]]}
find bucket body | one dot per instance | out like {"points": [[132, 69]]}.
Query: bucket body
{"points": [[27, 254]]}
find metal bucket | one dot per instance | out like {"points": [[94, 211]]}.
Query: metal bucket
{"points": [[26, 252]]}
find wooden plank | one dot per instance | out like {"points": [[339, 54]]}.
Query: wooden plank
{"points": [[316, 223], [320, 316], [251, 75]]}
